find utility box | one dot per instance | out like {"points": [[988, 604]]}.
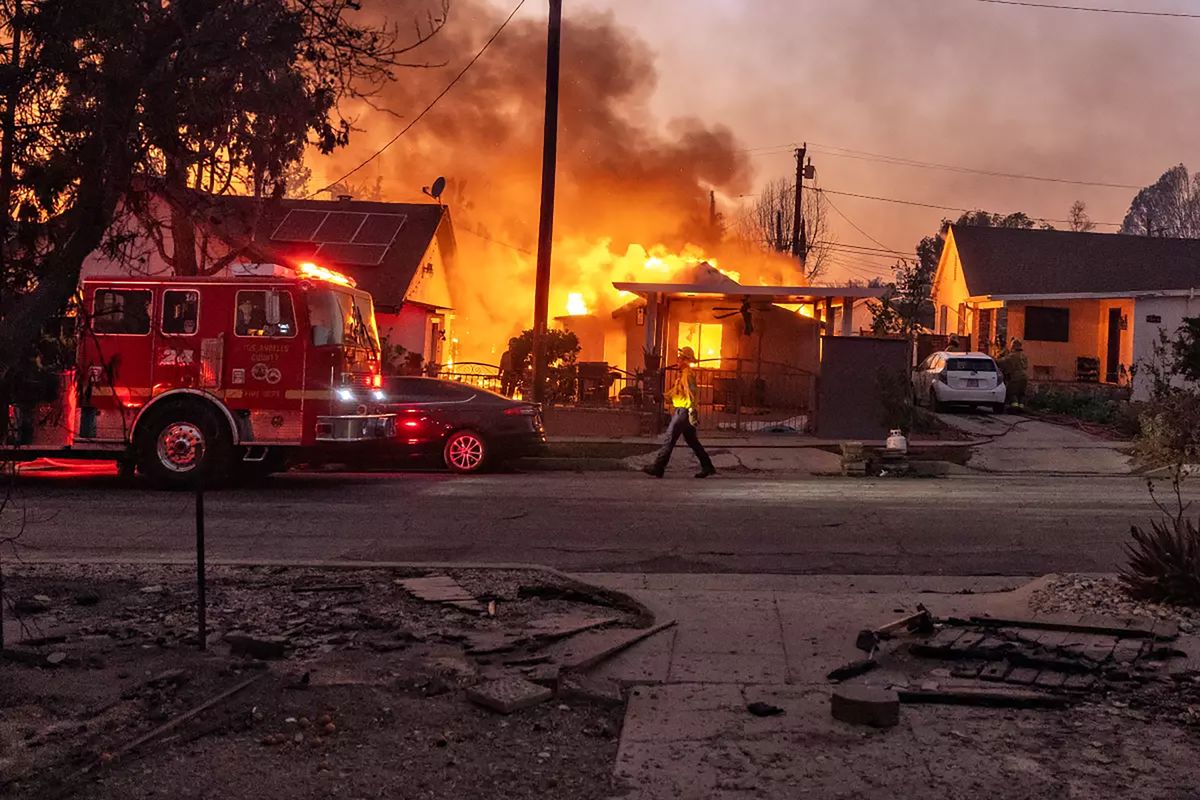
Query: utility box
{"points": [[856, 372]]}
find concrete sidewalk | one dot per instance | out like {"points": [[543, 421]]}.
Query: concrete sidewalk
{"points": [[1013, 444], [741, 639]]}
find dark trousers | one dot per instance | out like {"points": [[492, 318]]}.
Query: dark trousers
{"points": [[508, 383], [682, 426]]}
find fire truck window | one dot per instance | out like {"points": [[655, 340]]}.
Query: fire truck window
{"points": [[265, 313], [181, 312], [121, 311]]}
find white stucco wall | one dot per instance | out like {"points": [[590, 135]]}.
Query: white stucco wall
{"points": [[1171, 312]]}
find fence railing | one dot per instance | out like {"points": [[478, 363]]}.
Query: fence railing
{"points": [[738, 395]]}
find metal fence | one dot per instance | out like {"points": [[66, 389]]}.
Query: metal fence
{"points": [[735, 395]]}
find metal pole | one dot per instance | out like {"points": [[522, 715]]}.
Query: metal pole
{"points": [[201, 585], [541, 296], [799, 245]]}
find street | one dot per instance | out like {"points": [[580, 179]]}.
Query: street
{"points": [[613, 522]]}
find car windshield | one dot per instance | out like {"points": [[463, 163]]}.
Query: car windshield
{"points": [[345, 318], [970, 365]]}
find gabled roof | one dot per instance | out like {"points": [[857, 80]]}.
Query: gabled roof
{"points": [[383, 260], [1013, 261]]}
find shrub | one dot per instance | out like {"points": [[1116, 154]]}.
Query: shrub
{"points": [[1164, 563]]}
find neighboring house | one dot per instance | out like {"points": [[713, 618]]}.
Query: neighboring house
{"points": [[399, 252], [1086, 306]]}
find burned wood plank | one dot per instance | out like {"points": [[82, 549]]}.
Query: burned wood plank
{"points": [[1104, 626], [984, 697], [853, 669], [591, 647]]}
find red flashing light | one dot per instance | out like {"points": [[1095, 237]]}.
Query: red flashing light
{"points": [[377, 380], [411, 423], [319, 273]]}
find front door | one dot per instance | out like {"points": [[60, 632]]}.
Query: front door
{"points": [[1112, 363]]}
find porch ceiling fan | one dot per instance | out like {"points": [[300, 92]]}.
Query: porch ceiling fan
{"points": [[743, 310]]}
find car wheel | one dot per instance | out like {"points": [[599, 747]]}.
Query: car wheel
{"points": [[183, 444], [465, 452]]}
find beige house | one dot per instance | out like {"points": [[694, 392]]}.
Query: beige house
{"points": [[1086, 306]]}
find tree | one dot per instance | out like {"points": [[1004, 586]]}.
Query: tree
{"points": [[214, 94], [767, 224], [1168, 207], [1081, 222]]}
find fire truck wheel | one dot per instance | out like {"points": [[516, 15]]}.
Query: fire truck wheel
{"points": [[465, 452], [182, 443]]}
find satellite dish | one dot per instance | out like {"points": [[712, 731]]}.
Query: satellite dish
{"points": [[436, 190]]}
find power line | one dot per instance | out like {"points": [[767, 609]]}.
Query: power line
{"points": [[487, 238], [1127, 11], [854, 225], [429, 107], [945, 208], [882, 158]]}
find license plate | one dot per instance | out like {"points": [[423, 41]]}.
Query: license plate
{"points": [[972, 383]]}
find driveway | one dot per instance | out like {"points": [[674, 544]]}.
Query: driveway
{"points": [[1024, 445]]}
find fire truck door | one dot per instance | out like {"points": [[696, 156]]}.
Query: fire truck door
{"points": [[178, 346], [264, 365], [117, 354]]}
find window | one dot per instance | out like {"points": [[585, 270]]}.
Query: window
{"points": [[970, 365], [1045, 324], [266, 313], [181, 312], [121, 311], [703, 338]]}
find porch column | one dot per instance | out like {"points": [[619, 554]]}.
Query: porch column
{"points": [[847, 316], [828, 331], [650, 343]]}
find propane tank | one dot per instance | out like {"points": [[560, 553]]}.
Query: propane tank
{"points": [[896, 443]]}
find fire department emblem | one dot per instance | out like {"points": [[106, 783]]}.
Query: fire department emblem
{"points": [[239, 376], [273, 376], [259, 371]]}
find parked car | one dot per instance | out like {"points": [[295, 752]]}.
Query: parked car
{"points": [[467, 428], [969, 379]]}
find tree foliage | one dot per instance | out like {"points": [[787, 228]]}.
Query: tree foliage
{"points": [[221, 95], [1169, 207]]}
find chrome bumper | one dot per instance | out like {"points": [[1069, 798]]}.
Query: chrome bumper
{"points": [[356, 428]]}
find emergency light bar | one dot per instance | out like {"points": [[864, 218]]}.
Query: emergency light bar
{"points": [[307, 270]]}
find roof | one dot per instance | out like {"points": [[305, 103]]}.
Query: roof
{"points": [[1014, 261], [380, 245], [779, 294]]}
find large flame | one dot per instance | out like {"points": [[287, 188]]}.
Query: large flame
{"points": [[576, 305]]}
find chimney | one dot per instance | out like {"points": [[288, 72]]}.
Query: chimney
{"points": [[345, 198]]}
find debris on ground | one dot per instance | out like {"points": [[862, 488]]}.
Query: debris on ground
{"points": [[866, 705], [314, 670], [760, 709]]}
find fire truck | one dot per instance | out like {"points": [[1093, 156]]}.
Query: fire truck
{"points": [[193, 380]]}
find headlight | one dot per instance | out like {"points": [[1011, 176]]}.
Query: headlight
{"points": [[345, 395], [378, 396]]}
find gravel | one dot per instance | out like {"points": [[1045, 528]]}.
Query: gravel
{"points": [[1104, 595]]}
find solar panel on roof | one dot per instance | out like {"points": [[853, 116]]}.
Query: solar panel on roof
{"points": [[364, 255], [339, 226], [299, 225], [380, 229]]}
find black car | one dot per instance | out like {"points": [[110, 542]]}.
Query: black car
{"points": [[469, 429]]}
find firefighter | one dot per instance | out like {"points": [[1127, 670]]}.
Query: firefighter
{"points": [[683, 396], [508, 370], [1015, 368]]}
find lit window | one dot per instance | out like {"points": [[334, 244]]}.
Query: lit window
{"points": [[704, 339]]}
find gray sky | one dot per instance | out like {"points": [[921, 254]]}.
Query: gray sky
{"points": [[1094, 97]]}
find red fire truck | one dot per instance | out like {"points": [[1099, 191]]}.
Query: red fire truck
{"points": [[198, 379]]}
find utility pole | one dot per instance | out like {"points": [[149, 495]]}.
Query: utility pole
{"points": [[799, 243], [541, 292]]}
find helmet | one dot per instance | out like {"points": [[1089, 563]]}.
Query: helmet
{"points": [[688, 354]]}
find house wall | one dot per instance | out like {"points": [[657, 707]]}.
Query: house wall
{"points": [[1170, 311], [1088, 336], [950, 292], [430, 285], [411, 328]]}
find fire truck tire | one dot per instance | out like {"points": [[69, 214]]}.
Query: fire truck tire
{"points": [[183, 443], [466, 452]]}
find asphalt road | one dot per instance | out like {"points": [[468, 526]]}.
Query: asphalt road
{"points": [[608, 522]]}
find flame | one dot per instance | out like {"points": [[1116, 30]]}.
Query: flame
{"points": [[576, 305]]}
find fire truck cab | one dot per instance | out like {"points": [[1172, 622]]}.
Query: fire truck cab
{"points": [[198, 379]]}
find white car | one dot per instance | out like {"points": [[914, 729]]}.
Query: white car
{"points": [[969, 379]]}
